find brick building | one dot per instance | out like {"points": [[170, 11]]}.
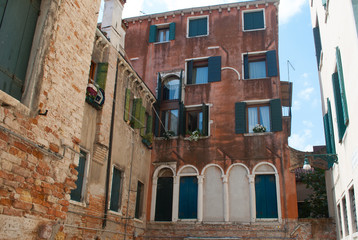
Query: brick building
{"points": [[215, 73]]}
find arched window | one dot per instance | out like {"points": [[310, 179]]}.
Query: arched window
{"points": [[164, 200], [171, 89]]}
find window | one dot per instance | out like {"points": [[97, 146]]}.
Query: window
{"points": [[162, 33], [170, 120], [171, 89], [78, 193], [164, 198], [204, 70], [340, 226], [247, 116], [139, 200], [198, 27], [188, 197], [355, 12], [260, 65], [340, 97], [328, 129], [92, 72], [345, 216], [196, 118], [254, 20], [17, 29], [318, 46], [116, 190], [258, 115], [353, 210], [266, 197]]}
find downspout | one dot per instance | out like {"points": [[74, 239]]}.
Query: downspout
{"points": [[129, 186], [109, 162]]}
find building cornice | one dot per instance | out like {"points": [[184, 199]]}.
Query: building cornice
{"points": [[219, 7]]}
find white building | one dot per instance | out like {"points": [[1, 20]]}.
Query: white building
{"points": [[335, 28]]}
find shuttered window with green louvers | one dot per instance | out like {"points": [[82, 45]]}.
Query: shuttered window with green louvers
{"points": [[143, 121], [318, 45], [328, 129], [341, 86], [18, 20], [254, 20], [339, 107], [101, 76], [198, 27], [137, 106], [127, 105]]}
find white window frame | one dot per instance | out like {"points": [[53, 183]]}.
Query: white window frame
{"points": [[197, 17], [161, 26], [186, 69], [243, 64], [253, 10], [84, 196]]}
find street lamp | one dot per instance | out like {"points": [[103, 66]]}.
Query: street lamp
{"points": [[329, 158]]}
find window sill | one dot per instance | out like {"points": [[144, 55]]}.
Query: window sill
{"points": [[155, 43], [163, 138], [138, 220], [257, 134], [187, 138], [115, 213], [80, 204], [196, 84], [197, 36], [253, 30], [8, 101], [257, 78]]}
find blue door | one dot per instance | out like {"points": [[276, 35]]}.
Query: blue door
{"points": [[266, 198], [188, 197]]}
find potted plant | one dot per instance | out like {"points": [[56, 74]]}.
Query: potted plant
{"points": [[195, 135], [259, 128]]}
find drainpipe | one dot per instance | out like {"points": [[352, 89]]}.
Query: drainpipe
{"points": [[109, 162]]}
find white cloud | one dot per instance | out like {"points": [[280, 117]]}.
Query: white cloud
{"points": [[308, 124], [289, 8], [306, 93], [305, 75], [296, 105], [299, 140]]}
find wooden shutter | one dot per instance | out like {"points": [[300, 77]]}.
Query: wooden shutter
{"points": [[341, 86], [18, 24], [198, 27], [76, 194], [246, 66], [258, 18], [276, 115], [248, 21], [182, 115], [102, 69], [159, 89], [172, 31], [137, 106], [266, 197], [327, 133], [324, 2], [115, 191], [142, 122], [152, 33], [330, 127], [240, 117], [189, 79], [271, 63], [205, 110], [127, 104], [317, 42], [180, 85], [214, 69], [339, 109], [149, 129]]}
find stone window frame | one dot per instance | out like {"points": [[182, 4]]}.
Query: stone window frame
{"points": [[253, 10], [43, 35], [194, 18]]}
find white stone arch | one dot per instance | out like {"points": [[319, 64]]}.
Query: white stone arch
{"points": [[182, 173], [239, 193], [260, 169], [154, 187], [213, 194]]}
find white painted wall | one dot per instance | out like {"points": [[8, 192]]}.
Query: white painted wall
{"points": [[338, 28]]}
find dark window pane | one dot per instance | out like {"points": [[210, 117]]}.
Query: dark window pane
{"points": [[115, 192], [164, 201], [76, 194]]}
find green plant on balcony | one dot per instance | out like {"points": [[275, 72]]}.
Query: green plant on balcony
{"points": [[259, 128], [194, 136], [168, 134]]}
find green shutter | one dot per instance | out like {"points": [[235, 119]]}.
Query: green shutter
{"points": [[189, 79], [214, 69], [152, 33], [341, 86], [330, 126], [76, 194], [142, 122], [254, 20], [246, 66], [2, 8], [205, 110], [338, 102], [137, 107], [18, 24], [159, 89], [182, 125], [102, 69], [318, 46], [172, 31], [324, 2], [149, 125], [198, 27], [115, 191], [327, 133], [240, 117], [180, 85], [276, 115], [271, 63], [127, 103]]}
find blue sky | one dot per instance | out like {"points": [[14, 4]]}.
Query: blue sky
{"points": [[295, 44]]}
